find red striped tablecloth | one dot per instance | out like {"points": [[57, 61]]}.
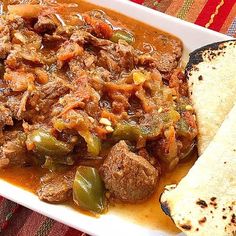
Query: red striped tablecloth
{"points": [[218, 15]]}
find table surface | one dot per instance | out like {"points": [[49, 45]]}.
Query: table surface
{"points": [[218, 15]]}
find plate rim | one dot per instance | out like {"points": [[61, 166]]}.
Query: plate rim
{"points": [[31, 201]]}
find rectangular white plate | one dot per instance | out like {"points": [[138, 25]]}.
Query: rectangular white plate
{"points": [[110, 224]]}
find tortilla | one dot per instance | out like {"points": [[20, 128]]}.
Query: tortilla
{"points": [[211, 73], [204, 202]]}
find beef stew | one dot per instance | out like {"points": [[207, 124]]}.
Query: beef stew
{"points": [[80, 88]]}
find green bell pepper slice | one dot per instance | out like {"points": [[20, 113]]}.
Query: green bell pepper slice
{"points": [[122, 34], [47, 145], [89, 190]]}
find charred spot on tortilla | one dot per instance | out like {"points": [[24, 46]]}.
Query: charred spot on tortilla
{"points": [[197, 56], [214, 204], [233, 219], [200, 77], [202, 203], [165, 207], [186, 227], [203, 220], [164, 204]]}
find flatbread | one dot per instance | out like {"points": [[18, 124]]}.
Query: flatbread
{"points": [[204, 202], [211, 73]]}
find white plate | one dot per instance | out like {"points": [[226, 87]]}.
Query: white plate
{"points": [[110, 224]]}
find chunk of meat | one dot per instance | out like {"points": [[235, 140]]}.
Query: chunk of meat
{"points": [[78, 65], [107, 61], [128, 55], [42, 99], [53, 40], [118, 57], [120, 101], [39, 101], [5, 116], [5, 45], [164, 62], [13, 152], [127, 176], [83, 37], [8, 135], [178, 82], [56, 187], [6, 26], [45, 25], [54, 88], [64, 31]]}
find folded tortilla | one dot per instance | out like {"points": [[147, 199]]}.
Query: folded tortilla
{"points": [[204, 202], [211, 73]]}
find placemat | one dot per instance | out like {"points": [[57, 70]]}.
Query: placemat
{"points": [[218, 15]]}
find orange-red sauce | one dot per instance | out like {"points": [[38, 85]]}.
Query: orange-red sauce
{"points": [[148, 213]]}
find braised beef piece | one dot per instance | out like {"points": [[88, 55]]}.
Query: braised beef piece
{"points": [[39, 102], [42, 99], [11, 29], [120, 58], [13, 150], [45, 25], [5, 116], [56, 187], [5, 44], [7, 24], [53, 40], [83, 37], [87, 61], [164, 62], [127, 176], [64, 31]]}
